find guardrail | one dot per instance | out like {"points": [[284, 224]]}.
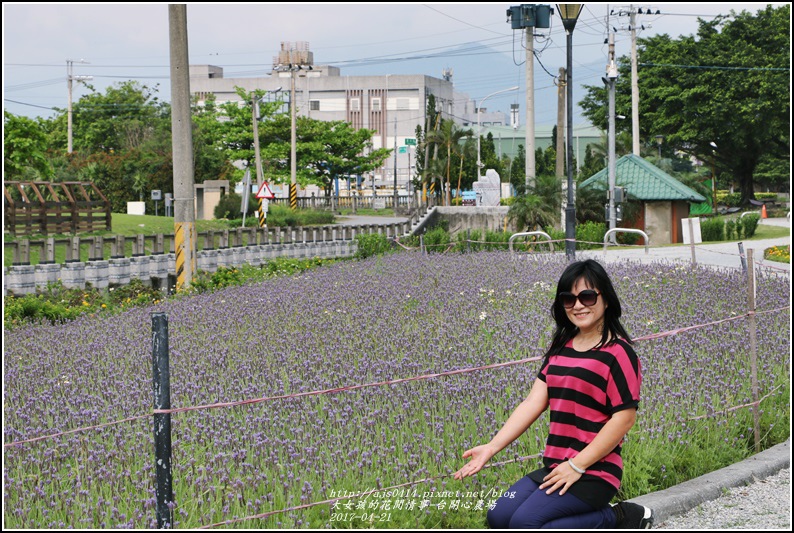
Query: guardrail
{"points": [[528, 234], [626, 230], [115, 261]]}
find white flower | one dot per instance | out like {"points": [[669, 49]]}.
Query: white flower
{"points": [[483, 315]]}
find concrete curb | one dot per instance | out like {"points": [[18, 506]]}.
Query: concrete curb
{"points": [[684, 497]]}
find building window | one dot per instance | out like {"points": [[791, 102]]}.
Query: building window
{"points": [[376, 104], [355, 104], [314, 105]]}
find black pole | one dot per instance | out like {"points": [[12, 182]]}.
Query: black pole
{"points": [[570, 208], [161, 383]]}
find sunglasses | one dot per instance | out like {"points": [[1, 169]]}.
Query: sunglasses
{"points": [[587, 297]]}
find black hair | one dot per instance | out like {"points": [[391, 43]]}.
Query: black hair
{"points": [[596, 277]]}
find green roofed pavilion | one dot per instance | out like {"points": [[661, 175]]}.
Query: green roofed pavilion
{"points": [[643, 181], [665, 200]]}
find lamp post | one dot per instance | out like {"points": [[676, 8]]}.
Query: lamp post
{"points": [[659, 139], [479, 131], [713, 179], [569, 13]]}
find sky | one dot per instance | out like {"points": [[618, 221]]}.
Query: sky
{"points": [[130, 41]]}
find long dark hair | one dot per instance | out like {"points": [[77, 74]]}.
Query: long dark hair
{"points": [[596, 277]]}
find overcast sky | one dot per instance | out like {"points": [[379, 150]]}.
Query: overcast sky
{"points": [[130, 41]]}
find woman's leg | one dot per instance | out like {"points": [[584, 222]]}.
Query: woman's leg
{"points": [[552, 511], [499, 517]]}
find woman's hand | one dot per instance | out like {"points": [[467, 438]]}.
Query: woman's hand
{"points": [[479, 456], [562, 476]]}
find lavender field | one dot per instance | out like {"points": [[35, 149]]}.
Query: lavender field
{"points": [[352, 323]]}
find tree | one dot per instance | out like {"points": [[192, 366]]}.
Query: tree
{"points": [[24, 149], [324, 151], [729, 85], [448, 136]]}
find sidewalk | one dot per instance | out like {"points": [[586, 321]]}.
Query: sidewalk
{"points": [[687, 496], [724, 254]]}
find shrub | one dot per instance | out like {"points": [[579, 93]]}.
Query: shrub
{"points": [[557, 235], [749, 224], [372, 244], [712, 229], [591, 232], [497, 240], [229, 206], [730, 229], [437, 240]]}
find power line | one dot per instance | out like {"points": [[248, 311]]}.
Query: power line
{"points": [[713, 67]]}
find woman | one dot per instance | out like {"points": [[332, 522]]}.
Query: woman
{"points": [[590, 380]]}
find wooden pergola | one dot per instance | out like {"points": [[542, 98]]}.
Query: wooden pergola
{"points": [[52, 208]]}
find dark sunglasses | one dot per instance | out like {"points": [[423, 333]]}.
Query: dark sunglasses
{"points": [[587, 297]]}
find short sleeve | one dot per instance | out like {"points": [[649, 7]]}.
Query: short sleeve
{"points": [[625, 378], [543, 367]]}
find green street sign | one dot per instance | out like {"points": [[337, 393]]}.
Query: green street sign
{"points": [[410, 142], [402, 150]]}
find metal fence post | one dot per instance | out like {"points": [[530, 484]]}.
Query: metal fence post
{"points": [[161, 383]]}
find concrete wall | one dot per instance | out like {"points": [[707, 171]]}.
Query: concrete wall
{"points": [[475, 218]]}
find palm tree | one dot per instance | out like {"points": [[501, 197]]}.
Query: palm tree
{"points": [[448, 136]]}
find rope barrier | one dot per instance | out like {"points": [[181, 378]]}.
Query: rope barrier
{"points": [[368, 385]]}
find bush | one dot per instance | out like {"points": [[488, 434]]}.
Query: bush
{"points": [[497, 240], [372, 244], [712, 229], [749, 224], [437, 240], [229, 206], [557, 235], [591, 232], [730, 229], [731, 200]]}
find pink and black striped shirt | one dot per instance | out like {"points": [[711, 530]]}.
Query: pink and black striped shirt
{"points": [[585, 389]]}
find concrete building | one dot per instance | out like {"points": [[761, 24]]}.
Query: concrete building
{"points": [[392, 105]]}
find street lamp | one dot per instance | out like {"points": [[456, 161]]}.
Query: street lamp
{"points": [[659, 139], [569, 13], [479, 131], [713, 179]]}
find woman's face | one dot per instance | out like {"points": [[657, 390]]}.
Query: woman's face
{"points": [[587, 319]]}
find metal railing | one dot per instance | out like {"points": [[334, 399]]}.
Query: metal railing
{"points": [[626, 230], [528, 234]]}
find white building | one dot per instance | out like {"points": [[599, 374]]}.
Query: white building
{"points": [[392, 105]]}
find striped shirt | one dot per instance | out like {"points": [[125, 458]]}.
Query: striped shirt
{"points": [[585, 389]]}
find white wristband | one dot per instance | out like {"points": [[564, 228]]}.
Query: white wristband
{"points": [[575, 468]]}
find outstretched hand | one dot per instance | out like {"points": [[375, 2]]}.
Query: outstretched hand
{"points": [[479, 456]]}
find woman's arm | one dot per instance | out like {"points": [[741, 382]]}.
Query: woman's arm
{"points": [[523, 416]]}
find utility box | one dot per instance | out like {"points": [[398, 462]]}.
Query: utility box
{"points": [[529, 16]]}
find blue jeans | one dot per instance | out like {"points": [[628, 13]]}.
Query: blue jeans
{"points": [[532, 508]]}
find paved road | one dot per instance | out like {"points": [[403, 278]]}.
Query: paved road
{"points": [[725, 254]]}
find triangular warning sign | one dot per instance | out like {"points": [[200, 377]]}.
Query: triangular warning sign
{"points": [[265, 192]]}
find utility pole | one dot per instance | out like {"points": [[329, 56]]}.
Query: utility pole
{"points": [[559, 169], [395, 165], [612, 75], [182, 143], [255, 118], [635, 88], [69, 78], [530, 129]]}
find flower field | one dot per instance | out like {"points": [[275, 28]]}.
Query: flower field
{"points": [[360, 322]]}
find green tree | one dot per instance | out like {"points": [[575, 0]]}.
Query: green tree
{"points": [[448, 137], [518, 170], [24, 149], [729, 84]]}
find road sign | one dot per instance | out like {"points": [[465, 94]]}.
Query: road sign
{"points": [[402, 149], [410, 142], [265, 192]]}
